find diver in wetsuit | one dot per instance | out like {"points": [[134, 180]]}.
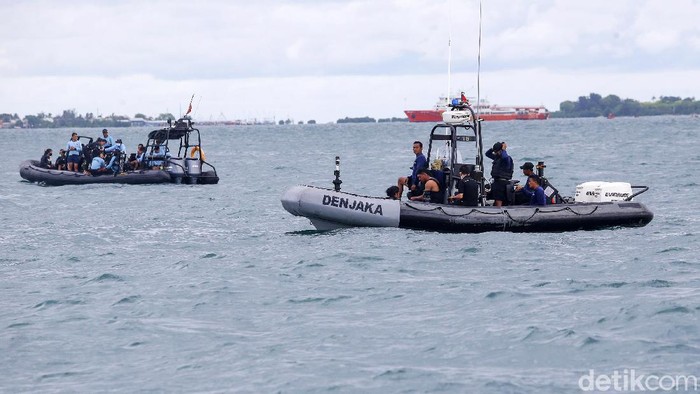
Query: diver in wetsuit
{"points": [[467, 189]]}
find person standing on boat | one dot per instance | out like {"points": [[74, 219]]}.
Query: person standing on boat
{"points": [[431, 189], [74, 148], [537, 196], [467, 189], [420, 163], [501, 172], [463, 99], [109, 141]]}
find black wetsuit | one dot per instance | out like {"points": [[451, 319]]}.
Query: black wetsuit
{"points": [[45, 162], [434, 197], [469, 189]]}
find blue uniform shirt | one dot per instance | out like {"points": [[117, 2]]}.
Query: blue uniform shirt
{"points": [[75, 144], [109, 141], [538, 197], [119, 147], [420, 163], [97, 163]]}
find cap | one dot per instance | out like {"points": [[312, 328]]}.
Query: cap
{"points": [[119, 140], [105, 131], [527, 165], [497, 146]]}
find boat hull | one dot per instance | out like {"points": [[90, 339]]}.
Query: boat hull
{"points": [[29, 171], [328, 209], [551, 218]]}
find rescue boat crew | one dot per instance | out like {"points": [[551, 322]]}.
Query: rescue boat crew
{"points": [[501, 172], [74, 148], [431, 189], [109, 141]]}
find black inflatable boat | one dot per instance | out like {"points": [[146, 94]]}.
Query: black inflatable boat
{"points": [[597, 205], [31, 171], [157, 164]]}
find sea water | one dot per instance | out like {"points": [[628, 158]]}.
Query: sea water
{"points": [[215, 288]]}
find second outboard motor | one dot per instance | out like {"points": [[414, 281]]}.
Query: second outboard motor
{"points": [[176, 168], [194, 169]]}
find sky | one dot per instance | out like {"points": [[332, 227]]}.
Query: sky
{"points": [[328, 59]]}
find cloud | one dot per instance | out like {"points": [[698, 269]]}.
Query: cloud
{"points": [[327, 59]]}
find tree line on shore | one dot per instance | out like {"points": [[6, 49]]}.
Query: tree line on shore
{"points": [[593, 105], [70, 119]]}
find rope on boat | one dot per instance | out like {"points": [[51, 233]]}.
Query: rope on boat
{"points": [[537, 210], [73, 174], [504, 212], [453, 215]]}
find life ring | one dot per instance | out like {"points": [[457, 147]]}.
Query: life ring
{"points": [[201, 153]]}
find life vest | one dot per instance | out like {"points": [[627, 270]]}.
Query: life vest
{"points": [[498, 169], [434, 197]]}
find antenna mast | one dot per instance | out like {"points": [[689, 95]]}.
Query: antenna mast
{"points": [[449, 52], [449, 68], [478, 69]]}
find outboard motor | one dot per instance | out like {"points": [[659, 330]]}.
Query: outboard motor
{"points": [[194, 169], [603, 191], [176, 168]]}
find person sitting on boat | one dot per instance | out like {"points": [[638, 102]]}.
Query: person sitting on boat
{"points": [[109, 141], [393, 193], [61, 160], [501, 172], [431, 188], [157, 158], [536, 193], [139, 158], [135, 160], [467, 189], [74, 148], [98, 166], [45, 161], [420, 163], [522, 193]]}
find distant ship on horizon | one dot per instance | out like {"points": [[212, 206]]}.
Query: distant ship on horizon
{"points": [[486, 111]]}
